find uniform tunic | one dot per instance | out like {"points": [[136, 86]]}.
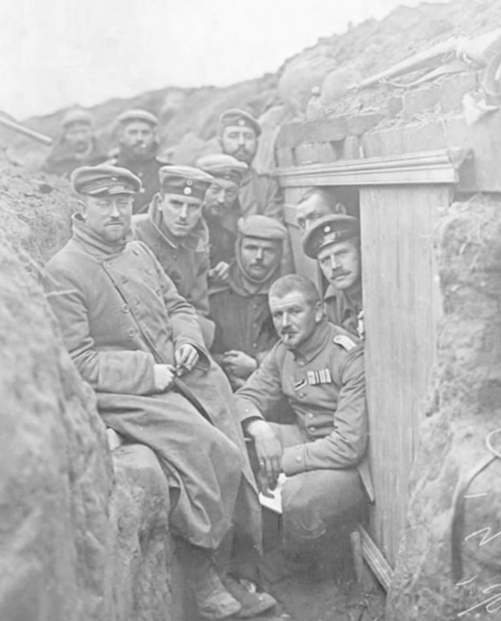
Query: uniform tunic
{"points": [[185, 263], [119, 315], [144, 168], [324, 383], [243, 320], [343, 310]]}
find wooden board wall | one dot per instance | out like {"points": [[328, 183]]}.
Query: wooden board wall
{"points": [[401, 307]]}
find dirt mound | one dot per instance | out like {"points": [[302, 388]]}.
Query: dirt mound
{"points": [[360, 52]]}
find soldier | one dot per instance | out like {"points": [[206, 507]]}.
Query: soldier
{"points": [[174, 230], [315, 203], [335, 242], [132, 337], [244, 330], [138, 148], [221, 210], [319, 368], [75, 146], [259, 192]]}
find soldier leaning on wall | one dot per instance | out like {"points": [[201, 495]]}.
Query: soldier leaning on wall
{"points": [[335, 242]]}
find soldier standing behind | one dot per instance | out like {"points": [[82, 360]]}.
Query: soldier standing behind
{"points": [[244, 329], [75, 146], [173, 228], [138, 149], [221, 211], [259, 192], [335, 242]]}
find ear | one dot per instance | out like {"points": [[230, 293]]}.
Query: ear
{"points": [[82, 208], [319, 311], [158, 201]]}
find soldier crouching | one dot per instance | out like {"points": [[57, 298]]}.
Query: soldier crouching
{"points": [[319, 369], [138, 344]]}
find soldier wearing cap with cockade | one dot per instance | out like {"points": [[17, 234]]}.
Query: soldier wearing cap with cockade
{"points": [[174, 230], [75, 146], [335, 242], [138, 152], [221, 210], [259, 192], [132, 337]]}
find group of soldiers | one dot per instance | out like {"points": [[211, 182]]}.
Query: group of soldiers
{"points": [[176, 303]]}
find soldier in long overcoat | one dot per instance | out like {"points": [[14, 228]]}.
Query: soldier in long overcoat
{"points": [[129, 333]]}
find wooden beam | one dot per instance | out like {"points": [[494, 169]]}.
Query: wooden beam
{"points": [[375, 560], [428, 167]]}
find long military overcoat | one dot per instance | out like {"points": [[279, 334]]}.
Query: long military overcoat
{"points": [[120, 314]]}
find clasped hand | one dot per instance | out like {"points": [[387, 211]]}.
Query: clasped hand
{"points": [[185, 358], [269, 452]]}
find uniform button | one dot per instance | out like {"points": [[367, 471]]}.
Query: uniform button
{"points": [[125, 308], [310, 415], [147, 270], [301, 363], [254, 345], [131, 332], [301, 395], [312, 428], [124, 280], [298, 458], [142, 191]]}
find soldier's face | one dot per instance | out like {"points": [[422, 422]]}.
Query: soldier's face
{"points": [[78, 137], [180, 214], [108, 216], [240, 142], [138, 137], [259, 257], [219, 198], [295, 319], [310, 210], [340, 264]]}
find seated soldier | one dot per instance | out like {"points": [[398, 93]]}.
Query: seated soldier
{"points": [[319, 368], [174, 230], [244, 330], [335, 242], [132, 336], [221, 211]]}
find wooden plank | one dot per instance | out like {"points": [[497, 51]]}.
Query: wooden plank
{"points": [[296, 133], [426, 167], [376, 561], [401, 312]]}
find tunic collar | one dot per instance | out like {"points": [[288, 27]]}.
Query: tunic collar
{"points": [[93, 242], [315, 344]]}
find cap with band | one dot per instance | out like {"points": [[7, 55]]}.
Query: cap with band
{"points": [[239, 118], [329, 230], [102, 180], [222, 166], [262, 227], [184, 181], [76, 116], [137, 114]]}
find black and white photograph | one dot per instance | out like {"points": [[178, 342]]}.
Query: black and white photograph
{"points": [[250, 310]]}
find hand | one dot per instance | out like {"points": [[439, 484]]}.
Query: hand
{"points": [[164, 376], [220, 273], [268, 449], [239, 364], [185, 358]]}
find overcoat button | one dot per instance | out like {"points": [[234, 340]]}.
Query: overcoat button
{"points": [[125, 308], [131, 332]]}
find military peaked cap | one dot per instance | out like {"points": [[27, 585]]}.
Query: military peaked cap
{"points": [[185, 181], [104, 179], [329, 230], [137, 115], [240, 118], [76, 115], [223, 166], [262, 227]]}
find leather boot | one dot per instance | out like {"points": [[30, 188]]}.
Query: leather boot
{"points": [[212, 599]]}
